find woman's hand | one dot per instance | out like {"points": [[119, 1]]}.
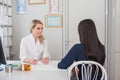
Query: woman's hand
{"points": [[34, 61], [30, 61], [74, 71], [45, 60]]}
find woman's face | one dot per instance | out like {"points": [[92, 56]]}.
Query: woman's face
{"points": [[37, 30]]}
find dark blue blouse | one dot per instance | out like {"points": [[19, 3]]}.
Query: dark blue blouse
{"points": [[76, 54]]}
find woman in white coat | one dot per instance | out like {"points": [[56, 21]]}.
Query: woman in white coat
{"points": [[33, 47]]}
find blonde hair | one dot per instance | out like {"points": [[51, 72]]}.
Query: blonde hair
{"points": [[33, 25]]}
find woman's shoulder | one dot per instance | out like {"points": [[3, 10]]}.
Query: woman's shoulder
{"points": [[26, 38], [77, 45]]}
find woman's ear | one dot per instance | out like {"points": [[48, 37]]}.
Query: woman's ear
{"points": [[32, 30]]}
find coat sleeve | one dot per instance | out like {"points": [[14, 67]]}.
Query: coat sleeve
{"points": [[23, 50], [68, 59]]}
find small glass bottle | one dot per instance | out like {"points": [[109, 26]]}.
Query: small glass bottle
{"points": [[22, 67]]}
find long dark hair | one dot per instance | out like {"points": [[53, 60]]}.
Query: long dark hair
{"points": [[92, 47]]}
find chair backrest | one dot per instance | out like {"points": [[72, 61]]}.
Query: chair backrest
{"points": [[86, 69]]}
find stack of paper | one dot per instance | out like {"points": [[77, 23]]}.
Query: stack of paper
{"points": [[9, 21], [5, 1], [10, 31], [9, 41], [1, 1], [9, 2], [1, 15], [6, 41], [7, 52], [5, 31], [9, 11]]}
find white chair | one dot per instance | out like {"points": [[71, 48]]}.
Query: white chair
{"points": [[86, 68]]}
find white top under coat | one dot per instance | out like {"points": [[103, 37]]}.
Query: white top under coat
{"points": [[30, 49]]}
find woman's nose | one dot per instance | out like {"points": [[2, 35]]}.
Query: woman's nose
{"points": [[40, 31]]}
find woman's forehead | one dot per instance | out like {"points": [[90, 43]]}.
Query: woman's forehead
{"points": [[39, 25]]}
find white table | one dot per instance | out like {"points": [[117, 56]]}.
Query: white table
{"points": [[38, 72]]}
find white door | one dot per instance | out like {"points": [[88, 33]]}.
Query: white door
{"points": [[83, 9], [117, 33]]}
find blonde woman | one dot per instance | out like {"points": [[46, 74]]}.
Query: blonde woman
{"points": [[33, 47]]}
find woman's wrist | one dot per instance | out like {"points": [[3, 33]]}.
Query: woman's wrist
{"points": [[45, 60], [28, 60], [31, 61]]}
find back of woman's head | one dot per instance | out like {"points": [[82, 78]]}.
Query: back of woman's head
{"points": [[87, 31], [89, 39]]}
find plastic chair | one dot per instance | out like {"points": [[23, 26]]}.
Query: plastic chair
{"points": [[86, 69]]}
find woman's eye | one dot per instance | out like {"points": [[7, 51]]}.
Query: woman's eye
{"points": [[38, 28]]}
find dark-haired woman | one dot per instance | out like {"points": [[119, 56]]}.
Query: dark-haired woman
{"points": [[90, 47]]}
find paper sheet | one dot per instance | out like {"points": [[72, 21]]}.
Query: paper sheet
{"points": [[6, 41], [9, 21], [5, 1], [9, 3], [54, 6], [9, 11], [7, 52], [0, 0], [5, 31], [1, 15], [9, 41], [10, 31]]}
